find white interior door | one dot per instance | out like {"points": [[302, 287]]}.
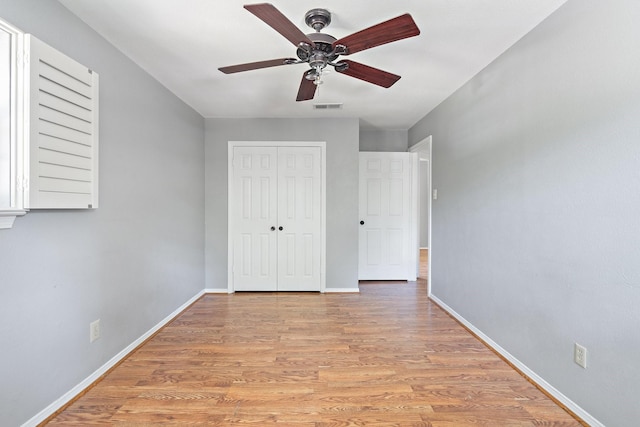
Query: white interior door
{"points": [[255, 187], [299, 217], [276, 218], [387, 216]]}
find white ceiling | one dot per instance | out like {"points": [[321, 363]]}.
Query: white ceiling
{"points": [[183, 42]]}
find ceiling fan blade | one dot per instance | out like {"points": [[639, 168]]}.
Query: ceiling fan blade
{"points": [[256, 65], [389, 31], [276, 20], [368, 74], [307, 89]]}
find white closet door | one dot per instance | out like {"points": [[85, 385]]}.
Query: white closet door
{"points": [[255, 214], [277, 218], [385, 242], [299, 210]]}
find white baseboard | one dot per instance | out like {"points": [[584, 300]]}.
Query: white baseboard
{"points": [[571, 405], [68, 396], [216, 291], [341, 290], [327, 290]]}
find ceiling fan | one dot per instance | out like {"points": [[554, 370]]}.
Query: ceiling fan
{"points": [[319, 49]]}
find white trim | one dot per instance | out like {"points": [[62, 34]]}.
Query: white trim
{"points": [[414, 226], [6, 220], [217, 291], [71, 394], [426, 145], [342, 290], [423, 145], [424, 159], [323, 198], [537, 379], [17, 95], [230, 218], [7, 217], [323, 218]]}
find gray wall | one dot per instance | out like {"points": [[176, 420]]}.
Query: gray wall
{"points": [[536, 229], [383, 140], [341, 136], [131, 262]]}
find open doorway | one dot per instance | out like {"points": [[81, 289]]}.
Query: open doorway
{"points": [[423, 148]]}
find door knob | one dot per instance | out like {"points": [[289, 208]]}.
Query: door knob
{"points": [[273, 228], [361, 222], [280, 228]]}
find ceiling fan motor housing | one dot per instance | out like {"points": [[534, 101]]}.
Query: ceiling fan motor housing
{"points": [[322, 52]]}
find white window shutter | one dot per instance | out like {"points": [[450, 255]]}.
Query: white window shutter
{"points": [[62, 130]]}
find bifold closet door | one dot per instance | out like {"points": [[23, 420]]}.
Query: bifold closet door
{"points": [[299, 216], [255, 244], [277, 218]]}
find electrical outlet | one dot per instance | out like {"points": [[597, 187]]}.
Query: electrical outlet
{"points": [[580, 355], [94, 330]]}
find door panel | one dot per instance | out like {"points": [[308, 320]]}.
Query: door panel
{"points": [[255, 244], [299, 205], [385, 208]]}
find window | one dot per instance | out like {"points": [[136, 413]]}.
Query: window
{"points": [[48, 128], [11, 93]]}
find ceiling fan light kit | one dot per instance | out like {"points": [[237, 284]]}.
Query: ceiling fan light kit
{"points": [[320, 49]]}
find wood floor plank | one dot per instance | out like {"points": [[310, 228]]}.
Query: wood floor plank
{"points": [[387, 356]]}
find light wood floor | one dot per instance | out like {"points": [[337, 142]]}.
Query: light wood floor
{"points": [[423, 265], [385, 357]]}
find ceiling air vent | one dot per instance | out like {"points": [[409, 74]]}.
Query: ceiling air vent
{"points": [[336, 106]]}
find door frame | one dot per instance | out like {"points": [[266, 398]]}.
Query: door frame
{"points": [[231, 224], [425, 147]]}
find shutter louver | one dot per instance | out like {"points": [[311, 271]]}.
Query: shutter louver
{"points": [[63, 131]]}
